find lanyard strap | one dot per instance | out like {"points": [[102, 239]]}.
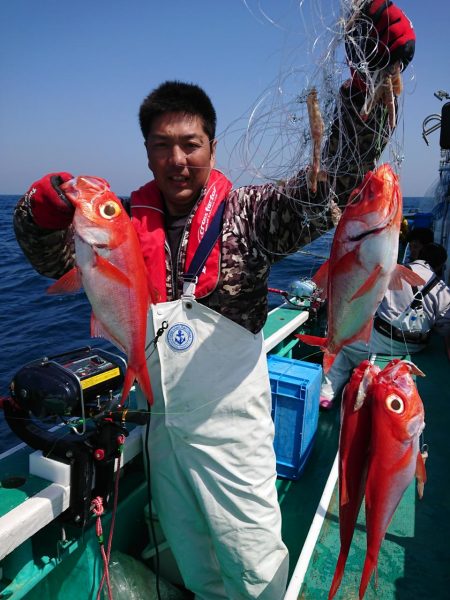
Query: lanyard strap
{"points": [[207, 243], [419, 296]]}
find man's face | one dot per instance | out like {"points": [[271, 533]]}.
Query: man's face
{"points": [[181, 158]]}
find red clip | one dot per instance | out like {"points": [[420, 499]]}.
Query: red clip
{"points": [[99, 454]]}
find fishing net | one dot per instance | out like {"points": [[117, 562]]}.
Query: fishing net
{"points": [[299, 125]]}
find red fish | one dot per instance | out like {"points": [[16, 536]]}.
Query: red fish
{"points": [[362, 263], [354, 441], [397, 422], [110, 267]]}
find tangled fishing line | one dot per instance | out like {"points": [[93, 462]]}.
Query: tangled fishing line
{"points": [[297, 135]]}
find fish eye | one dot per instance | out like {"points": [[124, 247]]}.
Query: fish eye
{"points": [[395, 404], [110, 209]]}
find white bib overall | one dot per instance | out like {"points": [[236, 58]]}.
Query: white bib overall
{"points": [[211, 454]]}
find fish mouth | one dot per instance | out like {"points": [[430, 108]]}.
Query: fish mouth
{"points": [[367, 232], [415, 426], [91, 238]]}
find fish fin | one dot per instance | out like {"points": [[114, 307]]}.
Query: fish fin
{"points": [[313, 340], [368, 284], [346, 263], [338, 574], [328, 360], [401, 274], [321, 278], [141, 376], [370, 565], [414, 369], [127, 383], [421, 474], [99, 330], [344, 497], [365, 383], [143, 380], [69, 283], [110, 271]]}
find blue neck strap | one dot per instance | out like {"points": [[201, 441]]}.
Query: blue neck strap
{"points": [[206, 245]]}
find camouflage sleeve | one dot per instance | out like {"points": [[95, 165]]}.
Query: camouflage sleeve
{"points": [[50, 252], [288, 216]]}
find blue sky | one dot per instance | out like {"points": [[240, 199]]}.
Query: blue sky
{"points": [[73, 74]]}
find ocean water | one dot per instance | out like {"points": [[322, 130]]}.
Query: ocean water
{"points": [[34, 324]]}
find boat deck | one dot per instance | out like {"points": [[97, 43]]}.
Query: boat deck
{"points": [[414, 559]]}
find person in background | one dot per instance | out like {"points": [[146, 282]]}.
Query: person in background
{"points": [[403, 322], [434, 255], [403, 239], [416, 239], [213, 467]]}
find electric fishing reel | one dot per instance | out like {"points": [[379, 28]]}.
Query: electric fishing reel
{"points": [[76, 383], [80, 389], [302, 294]]}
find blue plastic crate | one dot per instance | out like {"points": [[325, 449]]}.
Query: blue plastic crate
{"points": [[295, 389]]}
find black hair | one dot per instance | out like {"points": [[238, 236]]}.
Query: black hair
{"points": [[434, 254], [424, 235], [177, 96]]}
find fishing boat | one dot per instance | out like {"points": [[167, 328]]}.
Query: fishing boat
{"points": [[49, 537]]}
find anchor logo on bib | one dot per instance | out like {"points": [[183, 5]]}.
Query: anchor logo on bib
{"points": [[180, 337]]}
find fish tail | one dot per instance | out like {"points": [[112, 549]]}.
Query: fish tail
{"points": [[143, 380], [338, 573], [312, 340], [328, 360], [128, 382], [369, 566]]}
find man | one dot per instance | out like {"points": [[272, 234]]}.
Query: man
{"points": [[211, 441], [416, 240], [403, 322]]}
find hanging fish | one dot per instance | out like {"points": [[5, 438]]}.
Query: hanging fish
{"points": [[110, 267], [381, 421], [362, 263], [354, 441], [397, 422]]}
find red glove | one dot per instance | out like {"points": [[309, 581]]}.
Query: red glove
{"points": [[383, 36], [396, 36], [50, 207]]}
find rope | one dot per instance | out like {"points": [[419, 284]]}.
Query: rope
{"points": [[98, 509]]}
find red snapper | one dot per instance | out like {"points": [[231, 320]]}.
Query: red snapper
{"points": [[362, 263], [353, 458], [381, 421], [397, 422], [110, 267]]}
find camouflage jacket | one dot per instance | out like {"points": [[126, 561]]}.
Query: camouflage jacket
{"points": [[261, 224]]}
